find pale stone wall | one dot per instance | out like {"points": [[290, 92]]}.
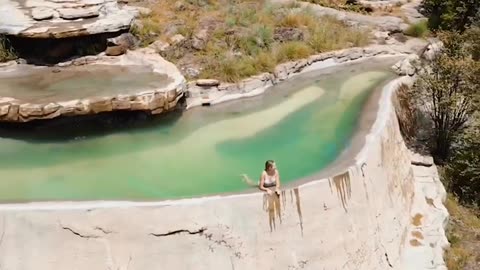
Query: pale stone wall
{"points": [[357, 219], [61, 19], [154, 101]]}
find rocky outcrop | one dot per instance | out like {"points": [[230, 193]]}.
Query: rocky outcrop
{"points": [[411, 9], [408, 66], [119, 45], [412, 64], [382, 23], [155, 101], [60, 19]]}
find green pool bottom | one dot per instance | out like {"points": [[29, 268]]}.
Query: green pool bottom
{"points": [[200, 153]]}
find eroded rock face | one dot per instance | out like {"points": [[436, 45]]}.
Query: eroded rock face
{"points": [[377, 214], [154, 100], [383, 23], [60, 19], [408, 66]]}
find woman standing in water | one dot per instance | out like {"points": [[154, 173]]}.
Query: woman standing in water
{"points": [[269, 179]]}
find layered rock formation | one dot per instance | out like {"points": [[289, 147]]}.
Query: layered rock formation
{"points": [[13, 109], [381, 23], [61, 19]]}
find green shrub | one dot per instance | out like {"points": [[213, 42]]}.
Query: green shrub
{"points": [[241, 35], [419, 29], [333, 35], [265, 36], [230, 69], [292, 50], [450, 14], [265, 61], [463, 170], [6, 51], [147, 30]]}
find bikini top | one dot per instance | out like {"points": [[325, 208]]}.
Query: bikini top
{"points": [[270, 179]]}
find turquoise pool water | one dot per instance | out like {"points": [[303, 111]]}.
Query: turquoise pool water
{"points": [[303, 125]]}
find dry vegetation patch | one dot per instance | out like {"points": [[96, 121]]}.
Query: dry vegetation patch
{"points": [[464, 236], [233, 39]]}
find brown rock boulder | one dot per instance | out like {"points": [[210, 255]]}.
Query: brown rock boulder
{"points": [[200, 39], [98, 105], [283, 34], [115, 50], [78, 13], [12, 114], [30, 110], [207, 82], [142, 102], [74, 107], [51, 110], [121, 103], [126, 40], [158, 101], [4, 108]]}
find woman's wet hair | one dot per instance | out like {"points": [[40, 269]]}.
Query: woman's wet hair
{"points": [[269, 164]]}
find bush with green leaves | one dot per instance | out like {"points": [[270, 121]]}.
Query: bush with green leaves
{"points": [[447, 89], [6, 51], [450, 14], [419, 29], [463, 170]]}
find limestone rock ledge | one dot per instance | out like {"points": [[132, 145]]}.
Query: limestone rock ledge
{"points": [[357, 219], [60, 19], [154, 101]]}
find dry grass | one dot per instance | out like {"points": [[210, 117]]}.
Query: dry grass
{"points": [[332, 34], [243, 35], [292, 51], [406, 112], [464, 236]]}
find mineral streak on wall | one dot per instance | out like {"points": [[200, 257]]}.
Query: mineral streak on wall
{"points": [[356, 219]]}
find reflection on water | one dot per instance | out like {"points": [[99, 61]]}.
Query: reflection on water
{"points": [[203, 152]]}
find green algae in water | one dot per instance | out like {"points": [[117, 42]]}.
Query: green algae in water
{"points": [[197, 155]]}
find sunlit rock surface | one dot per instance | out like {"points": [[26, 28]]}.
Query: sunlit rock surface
{"points": [[66, 18], [358, 218], [139, 80]]}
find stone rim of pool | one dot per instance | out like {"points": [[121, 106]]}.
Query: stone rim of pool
{"points": [[156, 99], [345, 159]]}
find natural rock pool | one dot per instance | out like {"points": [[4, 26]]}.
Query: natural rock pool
{"points": [[303, 124]]}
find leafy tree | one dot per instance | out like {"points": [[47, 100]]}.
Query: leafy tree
{"points": [[450, 14], [447, 88], [472, 35], [463, 170]]}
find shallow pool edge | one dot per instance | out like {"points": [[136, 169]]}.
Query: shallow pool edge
{"points": [[382, 115]]}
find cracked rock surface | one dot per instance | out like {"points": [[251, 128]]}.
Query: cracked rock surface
{"points": [[156, 99], [60, 19]]}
